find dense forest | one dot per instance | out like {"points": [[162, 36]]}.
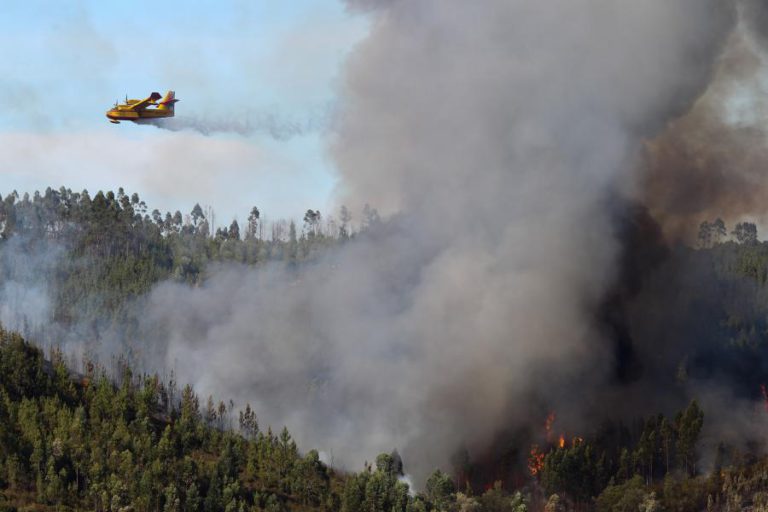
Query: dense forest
{"points": [[101, 251], [118, 439]]}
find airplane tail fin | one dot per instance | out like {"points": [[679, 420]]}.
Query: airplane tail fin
{"points": [[168, 100]]}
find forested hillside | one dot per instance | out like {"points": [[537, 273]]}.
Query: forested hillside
{"points": [[86, 437], [87, 442], [99, 252]]}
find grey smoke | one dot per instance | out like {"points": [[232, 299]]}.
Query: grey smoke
{"points": [[248, 123], [492, 135], [755, 15], [711, 162], [367, 5], [24, 292], [28, 305], [495, 137]]}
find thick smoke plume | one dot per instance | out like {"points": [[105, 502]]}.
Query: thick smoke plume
{"points": [[710, 162], [504, 141], [754, 14], [499, 137]]}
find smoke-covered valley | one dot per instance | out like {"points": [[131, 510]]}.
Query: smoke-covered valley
{"points": [[534, 164]]}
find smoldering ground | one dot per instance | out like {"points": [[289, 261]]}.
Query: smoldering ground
{"points": [[502, 140]]}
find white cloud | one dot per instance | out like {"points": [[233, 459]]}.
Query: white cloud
{"points": [[169, 170]]}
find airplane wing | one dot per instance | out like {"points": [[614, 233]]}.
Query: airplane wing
{"points": [[141, 105]]}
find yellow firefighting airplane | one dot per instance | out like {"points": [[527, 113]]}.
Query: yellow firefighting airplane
{"points": [[136, 110]]}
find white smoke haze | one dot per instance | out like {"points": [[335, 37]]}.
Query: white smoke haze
{"points": [[741, 420], [493, 134], [24, 292]]}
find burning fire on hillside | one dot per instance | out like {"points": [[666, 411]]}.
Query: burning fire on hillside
{"points": [[537, 454]]}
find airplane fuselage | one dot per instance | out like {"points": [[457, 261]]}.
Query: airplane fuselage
{"points": [[137, 110], [118, 114]]}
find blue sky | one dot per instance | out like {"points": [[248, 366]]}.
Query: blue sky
{"points": [[63, 64]]}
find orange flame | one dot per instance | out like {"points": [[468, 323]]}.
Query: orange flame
{"points": [[535, 460], [536, 457]]}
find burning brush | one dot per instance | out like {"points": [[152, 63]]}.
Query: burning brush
{"points": [[537, 455]]}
